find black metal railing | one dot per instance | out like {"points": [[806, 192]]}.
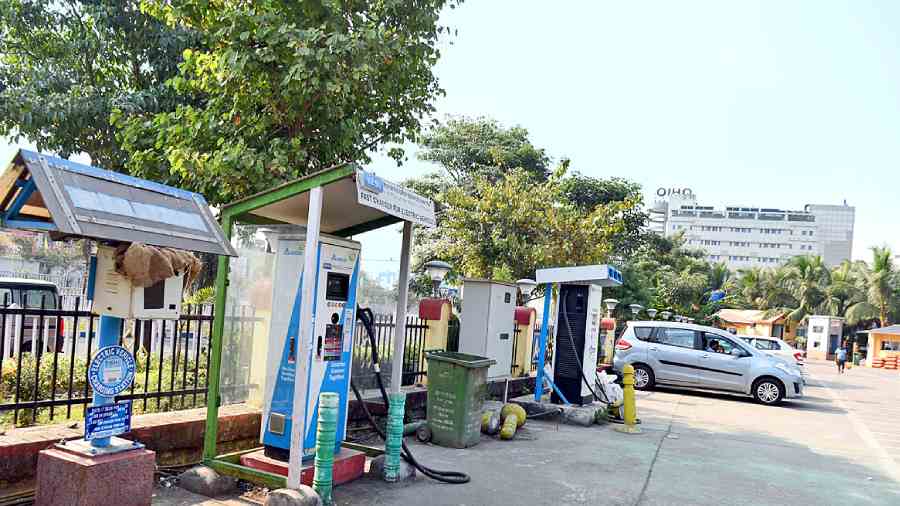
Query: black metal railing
{"points": [[535, 342], [413, 356], [45, 350]]}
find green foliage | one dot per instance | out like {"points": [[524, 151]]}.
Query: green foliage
{"points": [[49, 255], [205, 295], [506, 229], [287, 88], [467, 148], [64, 67]]}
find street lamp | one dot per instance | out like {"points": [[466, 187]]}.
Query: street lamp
{"points": [[652, 313], [526, 286], [665, 315], [635, 309], [610, 305], [437, 271]]}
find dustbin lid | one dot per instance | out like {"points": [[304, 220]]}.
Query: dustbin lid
{"points": [[463, 359]]}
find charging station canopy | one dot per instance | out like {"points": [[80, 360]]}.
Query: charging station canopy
{"points": [[73, 200], [602, 275]]}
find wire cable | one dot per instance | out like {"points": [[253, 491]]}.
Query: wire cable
{"points": [[367, 318]]}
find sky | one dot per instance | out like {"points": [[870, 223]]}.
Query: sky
{"points": [[765, 103]]}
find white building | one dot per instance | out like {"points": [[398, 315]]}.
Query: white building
{"points": [[743, 237]]}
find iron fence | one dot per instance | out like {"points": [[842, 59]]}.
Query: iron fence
{"points": [[413, 356], [45, 352], [535, 342]]}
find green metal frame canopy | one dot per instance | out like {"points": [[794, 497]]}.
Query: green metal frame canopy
{"points": [[343, 200]]}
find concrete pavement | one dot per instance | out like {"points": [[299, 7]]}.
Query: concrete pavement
{"points": [[697, 448]]}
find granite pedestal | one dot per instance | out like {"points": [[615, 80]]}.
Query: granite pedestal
{"points": [[68, 478]]}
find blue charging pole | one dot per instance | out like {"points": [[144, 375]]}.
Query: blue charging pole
{"points": [[542, 342], [110, 330]]}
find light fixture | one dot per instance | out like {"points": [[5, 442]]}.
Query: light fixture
{"points": [[526, 286], [665, 315], [651, 313], [635, 308], [437, 271], [611, 305]]}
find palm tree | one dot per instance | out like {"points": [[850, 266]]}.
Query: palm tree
{"points": [[846, 295], [808, 278], [881, 280]]}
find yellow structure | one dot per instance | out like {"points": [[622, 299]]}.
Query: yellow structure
{"points": [[751, 322], [883, 343], [630, 409], [436, 313], [525, 320]]}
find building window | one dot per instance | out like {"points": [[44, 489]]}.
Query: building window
{"points": [[890, 345]]}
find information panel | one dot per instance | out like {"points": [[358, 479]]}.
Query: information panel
{"points": [[107, 420]]}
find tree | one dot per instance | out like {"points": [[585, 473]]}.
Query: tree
{"points": [[289, 87], [64, 67], [807, 277], [467, 148], [506, 229], [881, 282]]}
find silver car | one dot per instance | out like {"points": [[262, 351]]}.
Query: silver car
{"points": [[695, 356]]}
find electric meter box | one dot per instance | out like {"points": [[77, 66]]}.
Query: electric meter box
{"points": [[487, 323], [114, 294]]}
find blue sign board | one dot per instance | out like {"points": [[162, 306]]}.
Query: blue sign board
{"points": [[107, 420], [111, 371]]}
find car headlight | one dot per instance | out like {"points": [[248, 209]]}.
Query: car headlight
{"points": [[787, 370]]}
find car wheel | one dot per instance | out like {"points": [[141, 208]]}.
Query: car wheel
{"points": [[768, 391], [643, 377]]}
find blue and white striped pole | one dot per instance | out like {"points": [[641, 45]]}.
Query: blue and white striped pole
{"points": [[542, 343]]}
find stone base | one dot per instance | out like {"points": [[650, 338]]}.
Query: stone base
{"points": [[348, 466], [70, 479]]}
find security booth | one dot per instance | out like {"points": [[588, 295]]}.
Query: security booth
{"points": [[144, 233], [294, 244]]}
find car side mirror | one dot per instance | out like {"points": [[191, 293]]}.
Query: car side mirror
{"points": [[738, 353]]}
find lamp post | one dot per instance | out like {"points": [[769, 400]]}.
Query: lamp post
{"points": [[665, 315], [437, 271], [635, 309], [526, 287], [652, 313]]}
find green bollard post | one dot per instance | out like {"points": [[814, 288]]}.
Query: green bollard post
{"points": [[325, 441], [394, 440]]}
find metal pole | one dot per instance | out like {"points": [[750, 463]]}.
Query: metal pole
{"points": [[305, 336], [542, 344], [400, 332], [110, 327], [215, 350]]}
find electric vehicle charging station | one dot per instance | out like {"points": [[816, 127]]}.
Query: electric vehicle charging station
{"points": [[317, 213], [578, 320], [335, 283]]}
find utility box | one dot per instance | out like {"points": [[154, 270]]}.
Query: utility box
{"points": [[487, 323]]}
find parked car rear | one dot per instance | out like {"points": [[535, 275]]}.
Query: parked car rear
{"points": [[696, 356]]}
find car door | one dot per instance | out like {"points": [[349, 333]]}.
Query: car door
{"points": [[723, 370], [674, 356]]}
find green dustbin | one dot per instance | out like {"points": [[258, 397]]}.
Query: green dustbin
{"points": [[457, 386], [857, 358]]}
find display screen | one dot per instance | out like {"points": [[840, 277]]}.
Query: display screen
{"points": [[337, 286]]}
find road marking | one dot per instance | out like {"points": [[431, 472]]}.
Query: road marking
{"points": [[887, 463]]}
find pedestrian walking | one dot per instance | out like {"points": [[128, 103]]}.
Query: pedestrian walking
{"points": [[840, 357]]}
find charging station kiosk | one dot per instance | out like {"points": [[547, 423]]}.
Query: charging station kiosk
{"points": [[335, 283], [578, 319], [308, 347]]}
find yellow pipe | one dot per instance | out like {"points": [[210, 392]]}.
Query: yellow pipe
{"points": [[630, 426]]}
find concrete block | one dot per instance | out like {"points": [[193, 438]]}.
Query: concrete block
{"points": [[583, 416], [205, 481], [70, 479], [376, 469], [304, 496]]}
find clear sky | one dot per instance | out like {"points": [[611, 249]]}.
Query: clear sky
{"points": [[764, 103]]}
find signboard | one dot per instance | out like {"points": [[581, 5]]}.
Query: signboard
{"points": [[393, 199], [111, 371], [107, 421]]}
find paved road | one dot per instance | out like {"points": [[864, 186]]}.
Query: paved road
{"points": [[833, 447]]}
